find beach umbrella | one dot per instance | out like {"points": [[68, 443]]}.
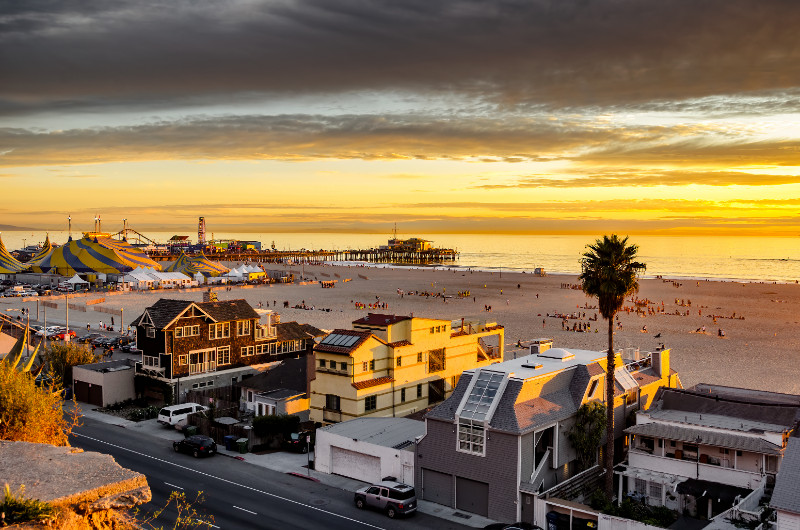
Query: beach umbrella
{"points": [[8, 263], [94, 255]]}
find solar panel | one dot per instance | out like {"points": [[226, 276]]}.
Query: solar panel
{"points": [[343, 341]]}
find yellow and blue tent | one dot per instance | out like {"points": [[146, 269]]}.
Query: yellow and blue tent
{"points": [[94, 254], [39, 256], [192, 265], [8, 263]]}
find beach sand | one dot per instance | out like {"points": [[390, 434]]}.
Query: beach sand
{"points": [[759, 351]]}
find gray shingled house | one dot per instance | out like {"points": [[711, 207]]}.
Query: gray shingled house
{"points": [[501, 437], [786, 496]]}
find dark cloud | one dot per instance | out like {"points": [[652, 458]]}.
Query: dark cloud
{"points": [[565, 53]]}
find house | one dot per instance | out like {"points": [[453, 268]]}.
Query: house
{"points": [[699, 449], [390, 365], [368, 449], [191, 345], [502, 436], [283, 389], [786, 495]]}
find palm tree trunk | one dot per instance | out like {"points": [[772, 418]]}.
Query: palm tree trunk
{"points": [[610, 384]]}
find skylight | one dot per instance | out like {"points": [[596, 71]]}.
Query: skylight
{"points": [[483, 394]]}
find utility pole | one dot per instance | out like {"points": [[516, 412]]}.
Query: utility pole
{"points": [[66, 296]]}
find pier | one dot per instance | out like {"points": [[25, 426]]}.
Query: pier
{"points": [[374, 255]]}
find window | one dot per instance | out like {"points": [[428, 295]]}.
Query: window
{"points": [[219, 331], [248, 350], [432, 330], [592, 388], [772, 464], [399, 361], [655, 492], [191, 331], [641, 486], [151, 332], [471, 435], [332, 402], [364, 366], [372, 365], [419, 357], [631, 398], [343, 366], [437, 360], [371, 403], [322, 363], [438, 329], [419, 390], [242, 328], [150, 361], [178, 333], [454, 380], [224, 355], [402, 395], [182, 360]]}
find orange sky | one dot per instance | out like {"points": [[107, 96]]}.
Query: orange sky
{"points": [[454, 117]]}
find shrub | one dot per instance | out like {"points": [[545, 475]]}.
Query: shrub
{"points": [[143, 413], [15, 508]]}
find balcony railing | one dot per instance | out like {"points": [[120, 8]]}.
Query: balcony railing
{"points": [[486, 352], [694, 469], [199, 368], [266, 332]]}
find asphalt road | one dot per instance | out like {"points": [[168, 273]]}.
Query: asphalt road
{"points": [[238, 495]]}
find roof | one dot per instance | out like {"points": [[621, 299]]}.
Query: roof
{"points": [[295, 331], [312, 330], [290, 374], [708, 410], [786, 495], [281, 393], [361, 385], [398, 343], [707, 437], [386, 432], [165, 310], [375, 319], [330, 348]]}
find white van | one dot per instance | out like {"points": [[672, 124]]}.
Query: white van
{"points": [[177, 414]]}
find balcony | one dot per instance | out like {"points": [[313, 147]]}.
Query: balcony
{"points": [[201, 368], [487, 352], [642, 459], [265, 332]]}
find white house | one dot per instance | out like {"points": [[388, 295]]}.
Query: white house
{"points": [[369, 448]]}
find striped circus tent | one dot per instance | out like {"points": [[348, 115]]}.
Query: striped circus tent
{"points": [[8, 263], [39, 256], [97, 254], [191, 266]]}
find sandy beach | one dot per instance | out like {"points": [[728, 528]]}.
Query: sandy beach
{"points": [[759, 348]]}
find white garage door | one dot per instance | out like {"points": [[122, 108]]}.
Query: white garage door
{"points": [[355, 465]]}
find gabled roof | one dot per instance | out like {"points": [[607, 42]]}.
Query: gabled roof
{"points": [[166, 310], [786, 495], [329, 348], [375, 319], [229, 310]]}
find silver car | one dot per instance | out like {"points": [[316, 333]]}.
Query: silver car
{"points": [[394, 498]]}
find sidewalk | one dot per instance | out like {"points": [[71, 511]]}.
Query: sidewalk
{"points": [[283, 462]]}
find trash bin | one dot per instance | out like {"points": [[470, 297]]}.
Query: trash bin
{"points": [[242, 444], [230, 442], [189, 430]]}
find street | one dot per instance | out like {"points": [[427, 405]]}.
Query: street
{"points": [[238, 495]]}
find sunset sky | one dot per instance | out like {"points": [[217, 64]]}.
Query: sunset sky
{"points": [[520, 116]]}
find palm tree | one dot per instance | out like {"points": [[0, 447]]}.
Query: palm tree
{"points": [[609, 272]]}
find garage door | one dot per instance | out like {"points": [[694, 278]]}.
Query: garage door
{"points": [[437, 487], [355, 465], [96, 395], [472, 496], [81, 389]]}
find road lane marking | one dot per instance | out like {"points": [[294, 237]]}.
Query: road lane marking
{"points": [[173, 485], [248, 511], [229, 481]]}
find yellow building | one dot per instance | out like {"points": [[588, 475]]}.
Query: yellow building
{"points": [[390, 365]]}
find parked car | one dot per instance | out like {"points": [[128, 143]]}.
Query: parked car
{"points": [[62, 334], [177, 414], [196, 445], [89, 337], [121, 341], [394, 498], [130, 348], [101, 341], [49, 330], [299, 442]]}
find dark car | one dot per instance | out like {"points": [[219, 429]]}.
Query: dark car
{"points": [[101, 342], [89, 337], [394, 498], [121, 341], [130, 348], [299, 442], [196, 445]]}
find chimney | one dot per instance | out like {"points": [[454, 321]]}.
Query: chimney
{"points": [[660, 362]]}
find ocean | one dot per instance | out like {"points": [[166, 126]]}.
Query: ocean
{"points": [[681, 257]]}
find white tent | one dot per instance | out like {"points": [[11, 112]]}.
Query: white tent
{"points": [[76, 280]]}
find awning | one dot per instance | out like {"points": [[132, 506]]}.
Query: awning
{"points": [[721, 493]]}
